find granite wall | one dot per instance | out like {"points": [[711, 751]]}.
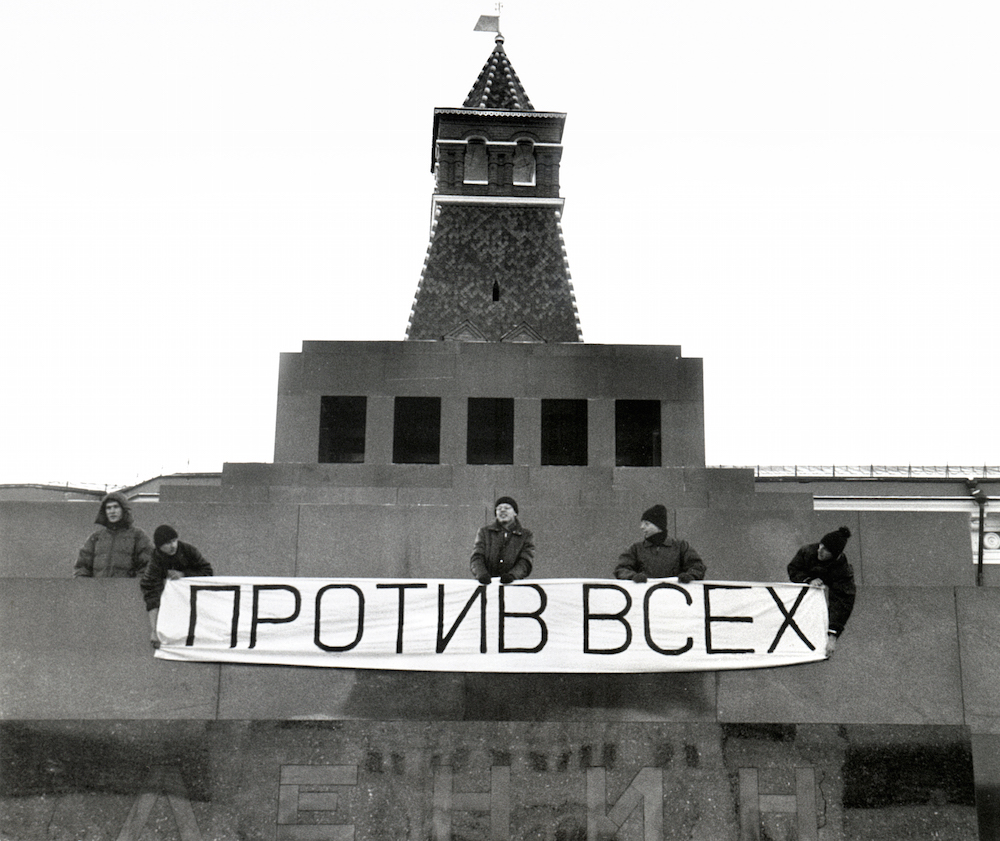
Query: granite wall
{"points": [[429, 532], [223, 751], [576, 781]]}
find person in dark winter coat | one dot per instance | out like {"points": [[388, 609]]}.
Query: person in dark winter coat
{"points": [[172, 559], [824, 564], [116, 550], [658, 555], [504, 548]]}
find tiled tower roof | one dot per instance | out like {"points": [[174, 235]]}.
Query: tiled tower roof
{"points": [[495, 273], [498, 87]]}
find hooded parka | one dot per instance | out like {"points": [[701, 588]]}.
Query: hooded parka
{"points": [[116, 550]]}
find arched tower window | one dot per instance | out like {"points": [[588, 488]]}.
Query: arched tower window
{"points": [[524, 162], [476, 170], [496, 290]]}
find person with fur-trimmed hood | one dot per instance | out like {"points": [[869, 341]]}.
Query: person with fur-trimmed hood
{"points": [[172, 559], [118, 549], [824, 564], [658, 555], [504, 548]]}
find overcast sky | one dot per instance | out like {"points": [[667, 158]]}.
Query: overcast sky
{"points": [[806, 195]]}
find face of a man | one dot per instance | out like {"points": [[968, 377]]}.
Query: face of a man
{"points": [[505, 513], [113, 511], [823, 553], [170, 547], [648, 529]]}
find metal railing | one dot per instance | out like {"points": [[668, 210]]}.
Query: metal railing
{"points": [[873, 471]]}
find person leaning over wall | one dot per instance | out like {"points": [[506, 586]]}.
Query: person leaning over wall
{"points": [[658, 555], [504, 548], [824, 564], [172, 559], [118, 549]]}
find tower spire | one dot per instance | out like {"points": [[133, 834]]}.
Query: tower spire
{"points": [[498, 86]]}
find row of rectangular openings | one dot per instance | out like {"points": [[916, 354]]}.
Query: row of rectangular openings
{"points": [[416, 435]]}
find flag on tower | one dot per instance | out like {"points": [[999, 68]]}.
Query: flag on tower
{"points": [[488, 23]]}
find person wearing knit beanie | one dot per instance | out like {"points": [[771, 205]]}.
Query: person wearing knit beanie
{"points": [[824, 564], [505, 549], [657, 555], [164, 534], [506, 500], [657, 515], [172, 559], [835, 541]]}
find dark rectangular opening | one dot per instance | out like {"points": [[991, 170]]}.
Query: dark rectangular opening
{"points": [[637, 433], [564, 432], [490, 437], [342, 429], [416, 430]]}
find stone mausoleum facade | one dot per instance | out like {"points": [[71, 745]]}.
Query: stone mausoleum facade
{"points": [[388, 457]]}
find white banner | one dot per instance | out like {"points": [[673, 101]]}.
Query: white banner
{"points": [[456, 625]]}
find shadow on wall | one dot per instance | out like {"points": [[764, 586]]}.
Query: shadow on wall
{"points": [[678, 696], [60, 758]]}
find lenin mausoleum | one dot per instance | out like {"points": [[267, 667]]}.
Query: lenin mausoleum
{"points": [[388, 457]]}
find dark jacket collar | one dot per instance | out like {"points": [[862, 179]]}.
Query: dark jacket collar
{"points": [[657, 539], [514, 528]]}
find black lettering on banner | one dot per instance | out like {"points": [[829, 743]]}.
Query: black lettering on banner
{"points": [[543, 600], [666, 585], [361, 617], [402, 595], [255, 618], [709, 619], [605, 617], [194, 609], [788, 619], [442, 641]]}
